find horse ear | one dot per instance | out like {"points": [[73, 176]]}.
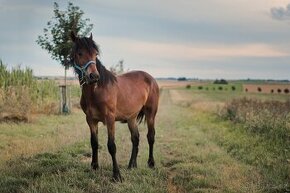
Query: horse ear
{"points": [[91, 36], [73, 36]]}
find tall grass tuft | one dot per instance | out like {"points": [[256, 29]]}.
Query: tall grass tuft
{"points": [[268, 118], [21, 94]]}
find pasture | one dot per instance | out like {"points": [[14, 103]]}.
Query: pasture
{"points": [[196, 150]]}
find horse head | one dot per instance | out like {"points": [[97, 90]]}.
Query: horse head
{"points": [[83, 57]]}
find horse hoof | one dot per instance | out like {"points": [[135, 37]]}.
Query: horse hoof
{"points": [[132, 165], [151, 163], [95, 166], [117, 177]]}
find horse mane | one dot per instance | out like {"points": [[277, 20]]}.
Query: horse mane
{"points": [[85, 43], [106, 76]]}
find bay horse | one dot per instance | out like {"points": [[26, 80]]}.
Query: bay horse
{"points": [[108, 98]]}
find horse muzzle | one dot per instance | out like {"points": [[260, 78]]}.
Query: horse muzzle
{"points": [[92, 78]]}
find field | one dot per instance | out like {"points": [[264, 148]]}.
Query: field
{"points": [[196, 150]]}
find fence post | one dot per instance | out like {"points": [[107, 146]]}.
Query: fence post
{"points": [[64, 106]]}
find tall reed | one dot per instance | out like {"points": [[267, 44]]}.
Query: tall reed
{"points": [[22, 94]]}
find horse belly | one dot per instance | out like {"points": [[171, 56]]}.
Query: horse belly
{"points": [[129, 107]]}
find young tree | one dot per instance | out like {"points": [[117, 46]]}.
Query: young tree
{"points": [[56, 36], [118, 68]]}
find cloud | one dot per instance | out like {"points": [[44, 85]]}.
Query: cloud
{"points": [[191, 51], [281, 13]]}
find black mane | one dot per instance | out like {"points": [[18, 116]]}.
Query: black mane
{"points": [[85, 43], [106, 76]]}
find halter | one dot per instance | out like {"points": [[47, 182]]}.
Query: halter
{"points": [[82, 70]]}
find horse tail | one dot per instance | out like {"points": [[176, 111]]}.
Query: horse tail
{"points": [[140, 116]]}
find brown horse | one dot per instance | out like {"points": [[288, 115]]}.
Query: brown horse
{"points": [[108, 98]]}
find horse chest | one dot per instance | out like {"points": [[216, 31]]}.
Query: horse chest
{"points": [[93, 113], [92, 110]]}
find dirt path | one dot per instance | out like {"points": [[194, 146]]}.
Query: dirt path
{"points": [[195, 163]]}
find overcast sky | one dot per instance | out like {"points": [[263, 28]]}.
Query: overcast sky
{"points": [[167, 38]]}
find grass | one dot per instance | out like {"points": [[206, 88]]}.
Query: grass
{"points": [[269, 154], [46, 133], [195, 151]]}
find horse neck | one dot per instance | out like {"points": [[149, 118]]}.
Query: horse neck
{"points": [[88, 90]]}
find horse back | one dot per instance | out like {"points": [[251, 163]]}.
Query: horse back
{"points": [[136, 89], [135, 81]]}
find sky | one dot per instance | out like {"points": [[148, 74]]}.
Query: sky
{"points": [[205, 39]]}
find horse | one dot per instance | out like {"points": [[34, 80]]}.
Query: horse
{"points": [[107, 98]]}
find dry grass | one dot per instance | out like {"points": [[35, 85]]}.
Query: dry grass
{"points": [[196, 102], [171, 84], [269, 118], [46, 133]]}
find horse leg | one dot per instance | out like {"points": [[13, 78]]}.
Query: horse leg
{"points": [[151, 139], [112, 148], [94, 141], [135, 143]]}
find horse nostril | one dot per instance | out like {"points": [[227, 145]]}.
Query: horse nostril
{"points": [[94, 77]]}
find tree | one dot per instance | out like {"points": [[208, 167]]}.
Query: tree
{"points": [[56, 36], [221, 81], [118, 68]]}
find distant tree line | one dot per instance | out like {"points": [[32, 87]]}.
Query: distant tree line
{"points": [[221, 81]]}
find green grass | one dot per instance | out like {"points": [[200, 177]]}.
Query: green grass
{"points": [[195, 151], [66, 171]]}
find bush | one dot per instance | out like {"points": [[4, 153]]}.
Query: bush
{"points": [[220, 88], [233, 88], [259, 89], [267, 118], [181, 79], [200, 87], [286, 90], [188, 86], [221, 81]]}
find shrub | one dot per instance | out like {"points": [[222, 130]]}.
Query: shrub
{"points": [[221, 81], [259, 89], [267, 118], [279, 90], [200, 87], [188, 86], [220, 88], [233, 88], [181, 79], [286, 90]]}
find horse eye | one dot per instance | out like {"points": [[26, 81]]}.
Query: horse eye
{"points": [[80, 54]]}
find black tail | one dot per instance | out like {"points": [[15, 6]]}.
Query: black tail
{"points": [[140, 116]]}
